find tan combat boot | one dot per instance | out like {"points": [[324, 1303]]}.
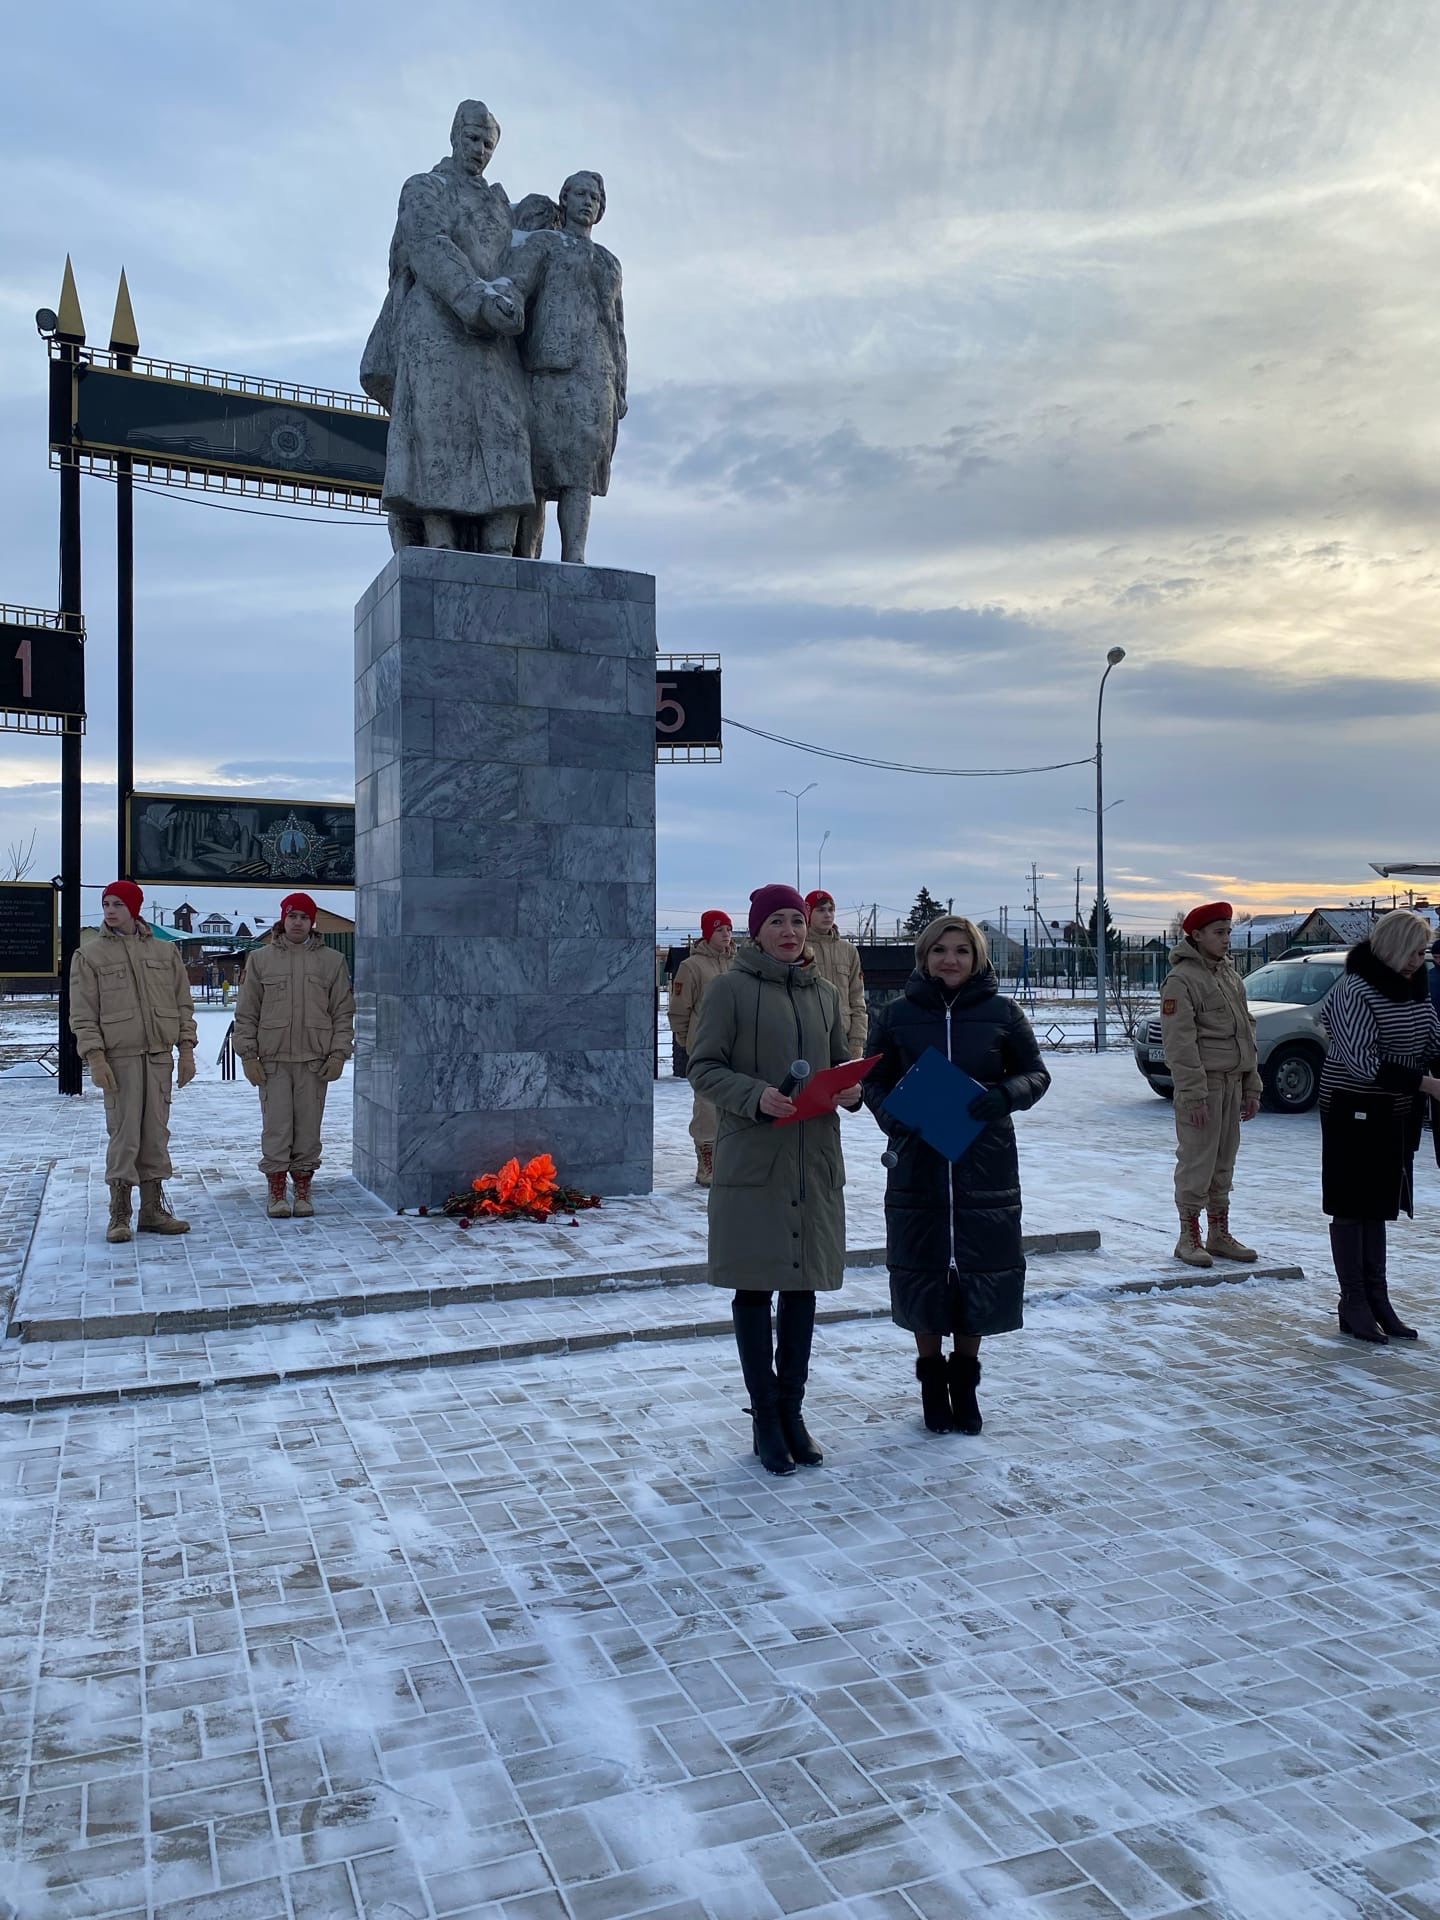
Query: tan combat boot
{"points": [[1190, 1247], [304, 1206], [704, 1165], [119, 1227], [155, 1214], [1221, 1242], [278, 1203]]}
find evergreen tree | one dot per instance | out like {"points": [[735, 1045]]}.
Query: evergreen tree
{"points": [[1100, 911], [925, 909]]}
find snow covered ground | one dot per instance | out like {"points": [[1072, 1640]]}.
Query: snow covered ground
{"points": [[535, 1639]]}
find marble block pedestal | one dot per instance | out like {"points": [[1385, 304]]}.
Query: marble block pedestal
{"points": [[505, 873]]}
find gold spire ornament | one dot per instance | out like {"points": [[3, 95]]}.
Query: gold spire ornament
{"points": [[124, 334], [72, 321]]}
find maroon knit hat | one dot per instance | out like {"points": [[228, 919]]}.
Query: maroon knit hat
{"points": [[767, 900], [302, 903], [127, 891]]}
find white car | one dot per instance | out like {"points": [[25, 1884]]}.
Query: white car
{"points": [[1285, 997]]}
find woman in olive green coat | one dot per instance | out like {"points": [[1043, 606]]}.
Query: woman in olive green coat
{"points": [[777, 1204]]}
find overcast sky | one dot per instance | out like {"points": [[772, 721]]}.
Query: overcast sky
{"points": [[967, 340]]}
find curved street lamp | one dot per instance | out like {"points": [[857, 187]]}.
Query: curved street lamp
{"points": [[797, 798], [1112, 660]]}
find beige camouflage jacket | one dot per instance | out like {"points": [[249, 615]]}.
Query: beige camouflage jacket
{"points": [[129, 994]]}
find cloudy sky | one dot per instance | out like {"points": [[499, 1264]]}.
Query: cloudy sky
{"points": [[968, 340]]}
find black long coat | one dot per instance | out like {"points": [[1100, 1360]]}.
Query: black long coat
{"points": [[952, 1233]]}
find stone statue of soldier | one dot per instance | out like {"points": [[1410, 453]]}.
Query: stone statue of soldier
{"points": [[443, 357]]}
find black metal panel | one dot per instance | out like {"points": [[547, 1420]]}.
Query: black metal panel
{"points": [[42, 671], [193, 839], [29, 930], [215, 429], [687, 706]]}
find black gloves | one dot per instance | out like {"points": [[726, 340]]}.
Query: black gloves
{"points": [[679, 1060], [989, 1105]]}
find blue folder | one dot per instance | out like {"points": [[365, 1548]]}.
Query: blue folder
{"points": [[933, 1100]]}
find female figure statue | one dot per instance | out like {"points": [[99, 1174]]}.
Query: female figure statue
{"points": [[574, 353]]}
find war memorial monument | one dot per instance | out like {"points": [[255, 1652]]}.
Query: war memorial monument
{"points": [[504, 707]]}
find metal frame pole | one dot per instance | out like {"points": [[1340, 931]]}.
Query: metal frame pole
{"points": [[69, 1078], [124, 344], [124, 651]]}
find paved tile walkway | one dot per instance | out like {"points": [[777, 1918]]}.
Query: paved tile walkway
{"points": [[538, 1640], [547, 1643]]}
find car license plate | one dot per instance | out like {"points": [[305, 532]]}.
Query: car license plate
{"points": [[1156, 1056]]}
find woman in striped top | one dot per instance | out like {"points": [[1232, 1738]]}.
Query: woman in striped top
{"points": [[1384, 1041]]}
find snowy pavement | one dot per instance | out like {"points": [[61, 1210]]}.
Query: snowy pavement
{"points": [[537, 1640]]}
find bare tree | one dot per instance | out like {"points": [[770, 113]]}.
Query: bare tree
{"points": [[19, 859]]}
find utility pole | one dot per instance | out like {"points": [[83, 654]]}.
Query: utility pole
{"points": [[1035, 912]]}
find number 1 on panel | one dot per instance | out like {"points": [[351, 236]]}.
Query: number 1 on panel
{"points": [[22, 654]]}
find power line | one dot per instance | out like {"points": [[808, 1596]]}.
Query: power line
{"points": [[249, 513], [899, 766]]}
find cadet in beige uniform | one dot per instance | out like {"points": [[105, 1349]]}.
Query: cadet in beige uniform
{"points": [[1208, 1033], [294, 1031], [130, 1008], [838, 961], [693, 975]]}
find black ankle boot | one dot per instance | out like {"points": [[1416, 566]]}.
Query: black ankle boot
{"points": [[1377, 1298], [798, 1438], [934, 1392], [750, 1313], [794, 1331], [768, 1440], [1354, 1312], [964, 1379], [1377, 1292]]}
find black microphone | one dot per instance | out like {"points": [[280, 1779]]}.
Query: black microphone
{"points": [[890, 1158], [795, 1079]]}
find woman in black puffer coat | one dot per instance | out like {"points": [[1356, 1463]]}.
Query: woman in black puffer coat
{"points": [[952, 1233]]}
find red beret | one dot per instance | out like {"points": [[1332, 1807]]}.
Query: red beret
{"points": [[819, 898], [1203, 916], [127, 891], [299, 903], [712, 919]]}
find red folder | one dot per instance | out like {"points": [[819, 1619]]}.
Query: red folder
{"points": [[817, 1096]]}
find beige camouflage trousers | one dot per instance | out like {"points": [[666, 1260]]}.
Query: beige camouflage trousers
{"points": [[137, 1117], [292, 1105], [1205, 1156], [704, 1122]]}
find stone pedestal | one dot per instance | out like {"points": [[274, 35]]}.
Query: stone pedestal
{"points": [[505, 873]]}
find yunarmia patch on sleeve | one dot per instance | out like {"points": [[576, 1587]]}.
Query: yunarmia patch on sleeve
{"points": [[1167, 1006]]}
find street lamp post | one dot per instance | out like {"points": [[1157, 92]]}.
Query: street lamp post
{"points": [[820, 861], [1112, 660], [797, 798]]}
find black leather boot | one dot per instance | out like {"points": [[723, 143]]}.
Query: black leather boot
{"points": [[750, 1313], [1355, 1314], [934, 1392], [964, 1379], [794, 1330], [1377, 1292]]}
